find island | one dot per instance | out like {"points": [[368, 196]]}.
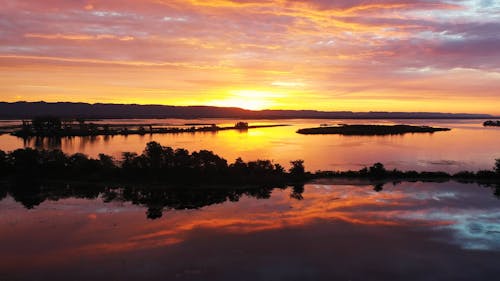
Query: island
{"points": [[491, 123], [369, 130]]}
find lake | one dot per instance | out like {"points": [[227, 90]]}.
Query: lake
{"points": [[322, 231], [468, 146]]}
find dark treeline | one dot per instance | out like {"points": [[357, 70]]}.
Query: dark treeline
{"points": [[162, 164], [156, 164], [377, 172]]}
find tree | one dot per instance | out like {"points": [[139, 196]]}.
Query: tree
{"points": [[128, 159], [239, 164], [24, 159], [182, 158], [297, 168], [47, 124], [154, 153], [377, 170], [54, 160], [279, 169], [207, 162], [78, 162], [3, 162], [106, 161], [497, 166]]}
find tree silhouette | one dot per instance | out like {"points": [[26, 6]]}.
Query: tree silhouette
{"points": [[106, 161], [3, 163], [154, 152], [297, 168], [24, 160], [377, 170], [47, 125]]}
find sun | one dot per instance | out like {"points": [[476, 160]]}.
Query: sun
{"points": [[248, 99]]}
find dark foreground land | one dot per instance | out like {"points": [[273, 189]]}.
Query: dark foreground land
{"points": [[370, 130], [163, 178], [160, 164]]}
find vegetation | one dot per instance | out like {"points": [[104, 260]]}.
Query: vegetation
{"points": [[369, 130], [378, 173], [163, 164], [163, 178], [156, 164]]}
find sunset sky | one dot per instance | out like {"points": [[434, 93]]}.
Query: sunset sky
{"points": [[394, 55]]}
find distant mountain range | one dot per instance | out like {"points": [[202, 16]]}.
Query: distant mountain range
{"points": [[21, 110]]}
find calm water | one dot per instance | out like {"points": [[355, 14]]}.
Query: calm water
{"points": [[325, 231], [468, 146]]}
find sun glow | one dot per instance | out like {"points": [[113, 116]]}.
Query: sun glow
{"points": [[248, 99]]}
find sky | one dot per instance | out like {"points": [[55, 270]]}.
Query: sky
{"points": [[381, 55]]}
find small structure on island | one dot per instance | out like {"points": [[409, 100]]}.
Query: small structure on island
{"points": [[241, 126]]}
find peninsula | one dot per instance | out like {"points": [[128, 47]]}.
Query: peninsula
{"points": [[56, 127]]}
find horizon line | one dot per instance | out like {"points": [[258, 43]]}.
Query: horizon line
{"points": [[249, 110]]}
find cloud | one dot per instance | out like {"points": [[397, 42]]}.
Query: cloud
{"points": [[332, 47]]}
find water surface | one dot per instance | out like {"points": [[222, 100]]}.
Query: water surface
{"points": [[468, 146], [325, 231]]}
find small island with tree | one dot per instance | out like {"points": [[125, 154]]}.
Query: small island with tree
{"points": [[491, 123], [369, 130]]}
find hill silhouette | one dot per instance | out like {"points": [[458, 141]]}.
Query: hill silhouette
{"points": [[100, 110]]}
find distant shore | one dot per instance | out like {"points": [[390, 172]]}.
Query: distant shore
{"points": [[27, 110]]}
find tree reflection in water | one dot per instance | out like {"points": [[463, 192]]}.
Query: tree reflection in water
{"points": [[156, 199]]}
